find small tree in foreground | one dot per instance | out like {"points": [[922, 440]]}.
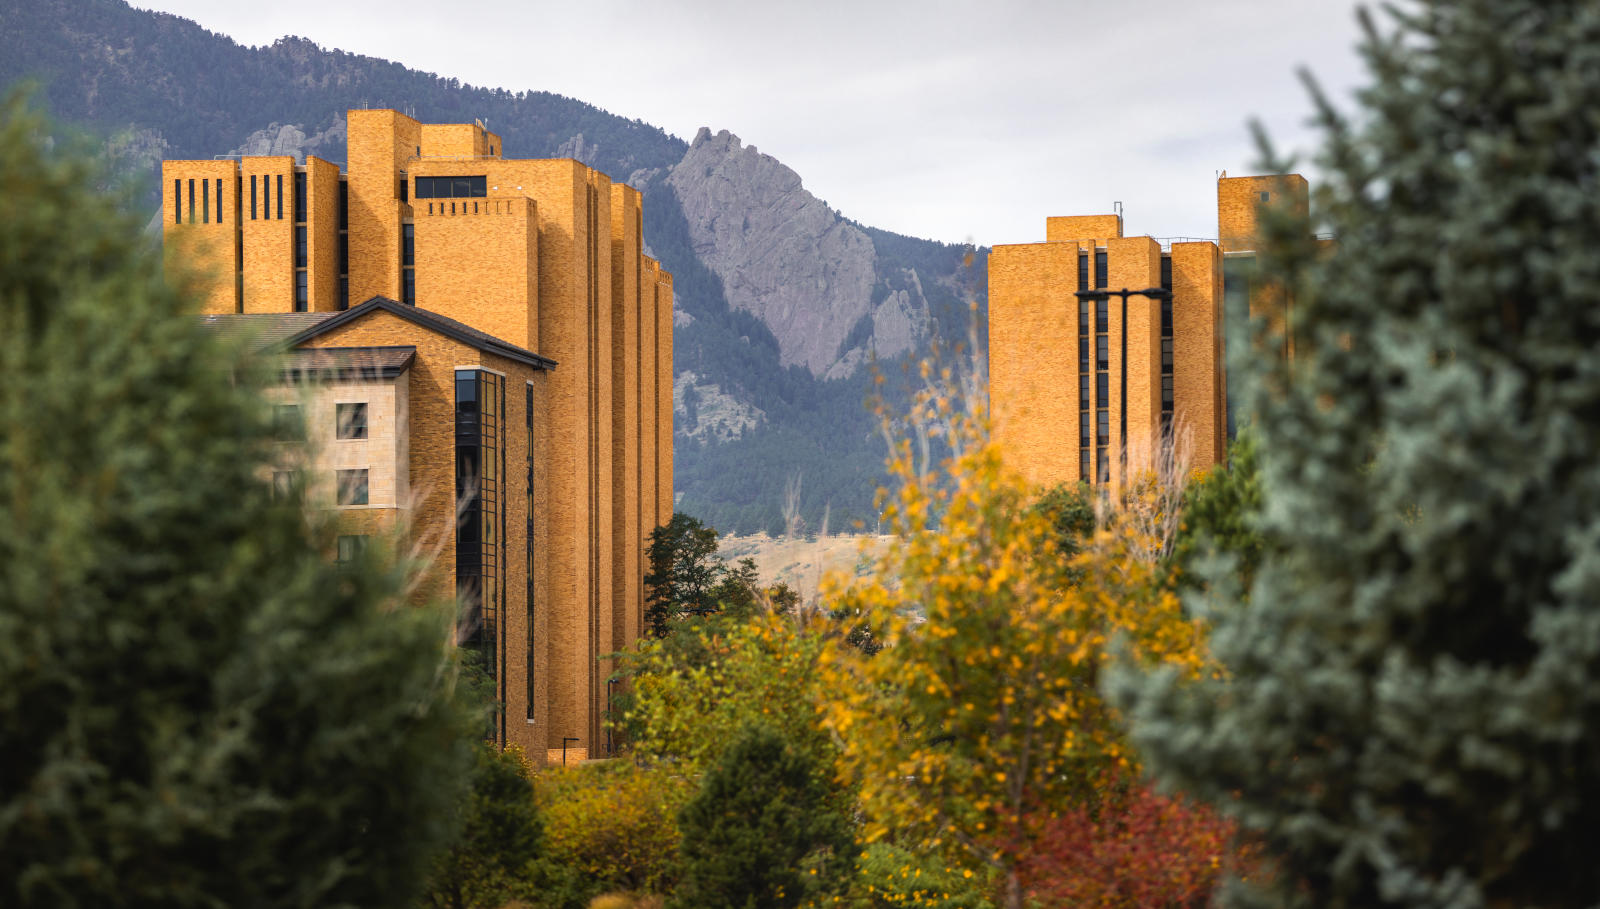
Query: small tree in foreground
{"points": [[1411, 713], [197, 708], [763, 831]]}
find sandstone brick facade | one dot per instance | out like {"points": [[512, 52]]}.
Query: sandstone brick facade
{"points": [[548, 257], [1036, 385]]}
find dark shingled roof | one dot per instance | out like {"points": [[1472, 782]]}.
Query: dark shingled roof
{"points": [[346, 363], [450, 328], [267, 328]]}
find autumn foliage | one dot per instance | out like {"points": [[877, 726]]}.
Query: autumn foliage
{"points": [[1138, 848], [983, 712]]}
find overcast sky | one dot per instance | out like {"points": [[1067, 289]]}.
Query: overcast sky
{"points": [[958, 121]]}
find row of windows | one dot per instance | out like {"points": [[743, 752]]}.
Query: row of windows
{"points": [[204, 210], [266, 196], [350, 486], [452, 187], [350, 422]]}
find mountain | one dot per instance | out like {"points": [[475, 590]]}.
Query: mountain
{"points": [[782, 302]]}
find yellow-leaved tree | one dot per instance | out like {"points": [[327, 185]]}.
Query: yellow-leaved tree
{"points": [[982, 714]]}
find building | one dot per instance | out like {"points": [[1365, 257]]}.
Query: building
{"points": [[507, 359], [1083, 388]]}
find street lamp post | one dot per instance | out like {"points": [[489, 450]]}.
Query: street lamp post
{"points": [[1154, 293]]}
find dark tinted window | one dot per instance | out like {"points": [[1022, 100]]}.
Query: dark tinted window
{"points": [[299, 247], [299, 197], [1100, 268], [452, 187], [352, 421]]}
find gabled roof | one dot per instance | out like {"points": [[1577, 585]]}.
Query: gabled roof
{"points": [[450, 328], [346, 363]]}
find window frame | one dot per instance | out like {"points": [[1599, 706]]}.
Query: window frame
{"points": [[350, 421], [352, 487]]}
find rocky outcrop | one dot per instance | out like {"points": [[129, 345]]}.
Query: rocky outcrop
{"points": [[781, 252], [291, 139], [703, 412]]}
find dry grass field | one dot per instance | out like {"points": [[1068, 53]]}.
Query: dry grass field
{"points": [[799, 562]]}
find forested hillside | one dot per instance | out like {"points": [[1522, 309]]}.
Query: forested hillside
{"points": [[155, 85]]}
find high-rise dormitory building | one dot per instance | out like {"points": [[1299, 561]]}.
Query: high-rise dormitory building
{"points": [[1057, 368], [484, 356]]}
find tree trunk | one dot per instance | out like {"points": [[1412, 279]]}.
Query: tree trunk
{"points": [[1013, 889]]}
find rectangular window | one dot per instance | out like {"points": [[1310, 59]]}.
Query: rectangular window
{"points": [[1102, 388], [286, 423], [352, 486], [408, 289], [301, 300], [352, 421], [1102, 464], [1102, 315], [1266, 197], [1083, 317], [1083, 271], [405, 187], [177, 201], [1083, 466], [282, 484], [1102, 426], [280, 197], [1166, 356], [1100, 268], [344, 292], [1083, 429], [1083, 353], [252, 197], [1166, 317], [350, 548], [452, 187], [480, 404], [408, 245], [344, 253], [219, 200], [1102, 353], [205, 201], [300, 197], [344, 205], [1166, 272], [1083, 392], [191, 201], [299, 247], [266, 198], [1166, 393], [527, 412]]}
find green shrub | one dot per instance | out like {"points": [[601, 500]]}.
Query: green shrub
{"points": [[610, 826]]}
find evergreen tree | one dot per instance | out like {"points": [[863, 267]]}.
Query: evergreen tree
{"points": [[1220, 515], [1410, 714], [197, 707], [764, 831], [501, 835]]}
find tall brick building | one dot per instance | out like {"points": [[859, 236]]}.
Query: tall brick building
{"points": [[483, 355], [1059, 365]]}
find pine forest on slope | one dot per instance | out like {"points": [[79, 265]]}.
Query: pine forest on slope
{"points": [[781, 301]]}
